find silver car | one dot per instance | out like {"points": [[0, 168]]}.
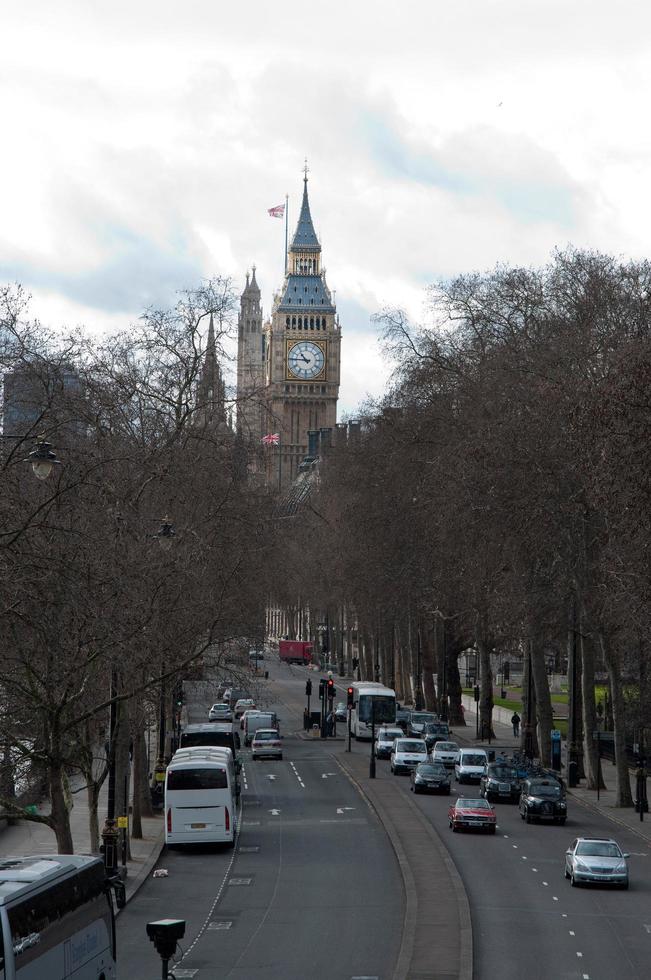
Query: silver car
{"points": [[596, 859], [220, 712], [267, 742]]}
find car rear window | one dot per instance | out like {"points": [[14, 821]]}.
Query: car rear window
{"points": [[188, 779], [447, 747], [265, 736], [468, 759], [402, 746]]}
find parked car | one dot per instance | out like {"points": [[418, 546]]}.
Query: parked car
{"points": [[542, 798], [341, 711], [418, 720], [220, 712], [596, 859], [436, 731], [470, 766], [472, 815], [267, 742], [242, 705], [406, 753], [500, 782], [446, 753], [384, 741], [429, 777], [402, 719]]}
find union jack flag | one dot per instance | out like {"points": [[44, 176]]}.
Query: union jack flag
{"points": [[273, 439], [276, 212]]}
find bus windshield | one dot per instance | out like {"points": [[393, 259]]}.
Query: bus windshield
{"points": [[385, 708]]}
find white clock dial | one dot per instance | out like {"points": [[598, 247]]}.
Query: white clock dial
{"points": [[305, 360]]}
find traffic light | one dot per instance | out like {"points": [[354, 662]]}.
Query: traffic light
{"points": [[331, 688], [308, 687], [350, 700]]}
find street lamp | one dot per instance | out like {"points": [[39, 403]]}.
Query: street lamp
{"points": [[42, 459]]}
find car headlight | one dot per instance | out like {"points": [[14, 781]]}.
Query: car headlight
{"points": [[563, 806], [580, 866]]}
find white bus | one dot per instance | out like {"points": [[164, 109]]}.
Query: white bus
{"points": [[57, 918], [371, 698], [200, 796]]}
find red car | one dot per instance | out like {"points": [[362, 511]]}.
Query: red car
{"points": [[472, 814]]}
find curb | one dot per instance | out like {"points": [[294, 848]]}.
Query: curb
{"points": [[146, 868]]}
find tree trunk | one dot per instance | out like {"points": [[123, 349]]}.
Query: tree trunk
{"points": [[528, 726], [92, 795], [485, 686], [454, 686], [140, 752], [122, 772], [59, 813], [623, 795], [428, 665], [589, 710], [543, 713]]}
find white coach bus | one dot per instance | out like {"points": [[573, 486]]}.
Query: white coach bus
{"points": [[371, 699], [57, 918], [200, 794]]}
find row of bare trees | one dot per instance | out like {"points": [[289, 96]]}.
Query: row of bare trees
{"points": [[91, 609], [499, 496]]}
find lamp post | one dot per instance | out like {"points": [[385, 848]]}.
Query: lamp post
{"points": [[371, 770], [165, 537], [110, 829]]}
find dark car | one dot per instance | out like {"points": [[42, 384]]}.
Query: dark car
{"points": [[418, 720], [402, 719], [500, 782], [430, 778], [542, 798], [435, 731]]}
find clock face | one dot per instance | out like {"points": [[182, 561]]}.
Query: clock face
{"points": [[305, 360]]}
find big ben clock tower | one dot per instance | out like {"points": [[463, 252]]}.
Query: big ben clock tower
{"points": [[303, 348]]}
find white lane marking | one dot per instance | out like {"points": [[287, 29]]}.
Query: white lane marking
{"points": [[586, 976], [274, 813], [564, 915], [545, 882], [271, 777], [213, 926], [523, 857], [648, 928], [325, 775], [250, 823], [534, 869], [342, 809], [572, 932], [184, 974], [301, 782], [240, 881], [579, 955], [515, 846], [506, 836]]}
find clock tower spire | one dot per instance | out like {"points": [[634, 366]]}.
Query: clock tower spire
{"points": [[302, 351]]}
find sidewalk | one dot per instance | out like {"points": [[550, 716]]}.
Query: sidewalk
{"points": [[623, 816], [25, 838]]}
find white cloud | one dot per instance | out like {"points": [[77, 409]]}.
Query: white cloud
{"points": [[147, 140]]}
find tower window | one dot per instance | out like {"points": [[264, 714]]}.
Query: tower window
{"points": [[293, 321], [312, 302], [300, 300], [286, 321], [312, 322]]}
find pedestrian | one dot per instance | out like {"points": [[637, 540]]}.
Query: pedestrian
{"points": [[515, 721]]}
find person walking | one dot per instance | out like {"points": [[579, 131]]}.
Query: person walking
{"points": [[515, 721]]}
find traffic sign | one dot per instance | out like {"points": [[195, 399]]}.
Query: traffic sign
{"points": [[604, 736]]}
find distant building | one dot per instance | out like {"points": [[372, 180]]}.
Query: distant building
{"points": [[43, 397]]}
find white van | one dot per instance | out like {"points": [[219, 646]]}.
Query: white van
{"points": [[470, 766], [258, 719], [200, 796]]}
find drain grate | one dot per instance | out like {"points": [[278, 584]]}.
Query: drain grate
{"points": [[240, 881], [214, 926]]}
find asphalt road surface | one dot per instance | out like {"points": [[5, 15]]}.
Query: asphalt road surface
{"points": [[312, 888]]}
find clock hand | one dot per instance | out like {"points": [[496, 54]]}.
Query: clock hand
{"points": [[306, 359]]}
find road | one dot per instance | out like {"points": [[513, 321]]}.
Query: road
{"points": [[312, 888]]}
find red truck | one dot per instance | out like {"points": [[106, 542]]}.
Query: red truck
{"points": [[295, 651]]}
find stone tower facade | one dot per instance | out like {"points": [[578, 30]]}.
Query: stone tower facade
{"points": [[302, 349], [250, 365]]}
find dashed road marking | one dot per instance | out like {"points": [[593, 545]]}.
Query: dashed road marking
{"points": [[184, 974], [524, 857], [564, 915], [515, 846], [572, 932], [545, 883], [534, 869], [240, 881], [274, 813], [214, 926], [648, 928], [579, 955]]}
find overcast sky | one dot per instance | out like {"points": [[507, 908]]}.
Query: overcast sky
{"points": [[143, 143]]}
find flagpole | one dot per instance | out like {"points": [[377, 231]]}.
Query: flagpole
{"points": [[286, 221]]}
